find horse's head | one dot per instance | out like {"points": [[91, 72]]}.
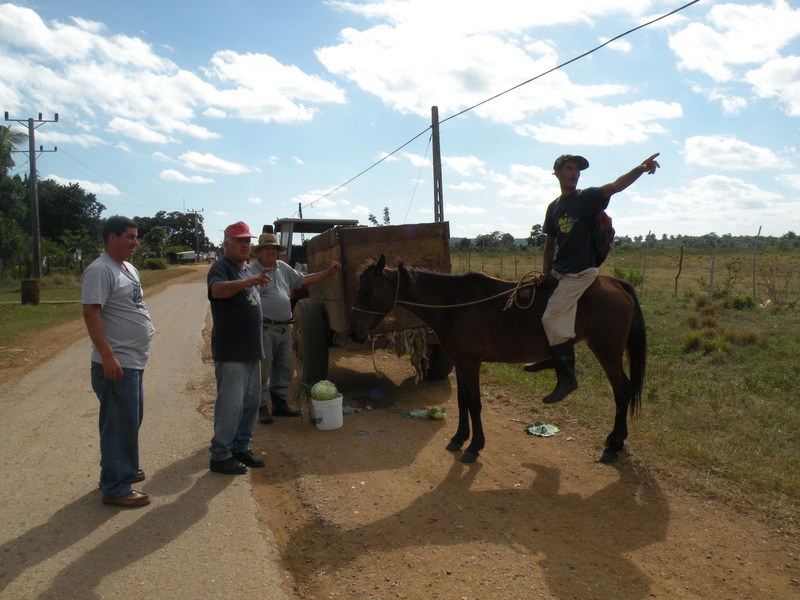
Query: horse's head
{"points": [[375, 298]]}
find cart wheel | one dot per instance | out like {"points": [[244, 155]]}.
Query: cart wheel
{"points": [[439, 364], [310, 340]]}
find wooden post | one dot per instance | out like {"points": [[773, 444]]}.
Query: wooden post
{"points": [[755, 247], [680, 268], [713, 266], [644, 262], [438, 200]]}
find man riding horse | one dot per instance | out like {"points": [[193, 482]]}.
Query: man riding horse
{"points": [[569, 257]]}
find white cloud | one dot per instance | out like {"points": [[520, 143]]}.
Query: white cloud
{"points": [[138, 131], [254, 200], [461, 209], [779, 79], [736, 35], [173, 175], [600, 125], [792, 180], [466, 186], [261, 88], [727, 154], [99, 189], [208, 163], [464, 165]]}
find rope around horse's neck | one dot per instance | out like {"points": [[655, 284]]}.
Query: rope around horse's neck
{"points": [[512, 301]]}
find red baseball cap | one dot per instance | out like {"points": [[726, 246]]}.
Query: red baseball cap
{"points": [[238, 230]]}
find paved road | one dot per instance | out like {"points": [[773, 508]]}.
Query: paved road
{"points": [[199, 538]]}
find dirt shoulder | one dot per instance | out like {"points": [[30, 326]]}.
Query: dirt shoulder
{"points": [[379, 509]]}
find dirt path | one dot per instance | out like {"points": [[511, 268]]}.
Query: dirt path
{"points": [[199, 538], [378, 509]]}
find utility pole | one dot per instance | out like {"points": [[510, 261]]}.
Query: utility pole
{"points": [[34, 190], [194, 213], [438, 200]]}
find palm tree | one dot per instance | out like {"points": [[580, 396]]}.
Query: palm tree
{"points": [[9, 140]]}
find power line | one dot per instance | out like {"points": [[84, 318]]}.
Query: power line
{"points": [[519, 85]]}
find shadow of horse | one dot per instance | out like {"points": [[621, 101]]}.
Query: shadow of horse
{"points": [[573, 540]]}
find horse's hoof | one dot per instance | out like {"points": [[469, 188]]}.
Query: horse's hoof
{"points": [[453, 447], [608, 457], [469, 458]]}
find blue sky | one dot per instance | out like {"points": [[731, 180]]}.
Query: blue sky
{"points": [[246, 110]]}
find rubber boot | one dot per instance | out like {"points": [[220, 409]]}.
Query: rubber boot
{"points": [[542, 365], [564, 359], [281, 409]]}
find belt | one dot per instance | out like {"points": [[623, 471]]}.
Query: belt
{"points": [[273, 322]]}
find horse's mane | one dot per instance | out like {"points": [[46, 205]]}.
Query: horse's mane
{"points": [[414, 272]]}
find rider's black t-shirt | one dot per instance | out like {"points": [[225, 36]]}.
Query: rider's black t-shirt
{"points": [[571, 219]]}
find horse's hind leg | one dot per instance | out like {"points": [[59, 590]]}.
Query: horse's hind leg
{"points": [[615, 442]]}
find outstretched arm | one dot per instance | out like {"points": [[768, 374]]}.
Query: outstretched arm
{"points": [[623, 181], [313, 278]]}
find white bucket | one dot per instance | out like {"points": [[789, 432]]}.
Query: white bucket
{"points": [[328, 413]]}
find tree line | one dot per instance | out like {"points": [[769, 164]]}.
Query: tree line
{"points": [[70, 222]]}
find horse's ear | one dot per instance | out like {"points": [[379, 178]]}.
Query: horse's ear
{"points": [[381, 264]]}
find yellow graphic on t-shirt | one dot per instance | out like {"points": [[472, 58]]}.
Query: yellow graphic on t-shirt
{"points": [[565, 223]]}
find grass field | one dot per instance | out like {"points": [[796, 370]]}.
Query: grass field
{"points": [[60, 302], [721, 411]]}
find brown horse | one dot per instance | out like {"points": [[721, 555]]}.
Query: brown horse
{"points": [[471, 316]]}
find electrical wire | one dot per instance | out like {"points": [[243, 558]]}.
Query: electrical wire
{"points": [[519, 85]]}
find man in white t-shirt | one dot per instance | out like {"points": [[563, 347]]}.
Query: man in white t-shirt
{"points": [[276, 308], [121, 332]]}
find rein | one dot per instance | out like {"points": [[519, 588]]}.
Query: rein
{"points": [[512, 301]]}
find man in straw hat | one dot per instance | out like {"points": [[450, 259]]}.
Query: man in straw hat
{"points": [[276, 308], [568, 256], [237, 352]]}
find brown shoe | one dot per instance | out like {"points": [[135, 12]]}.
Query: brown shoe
{"points": [[134, 498]]}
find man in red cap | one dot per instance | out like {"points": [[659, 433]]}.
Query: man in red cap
{"points": [[568, 256], [237, 352]]}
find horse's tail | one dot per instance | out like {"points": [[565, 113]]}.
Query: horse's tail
{"points": [[637, 352]]}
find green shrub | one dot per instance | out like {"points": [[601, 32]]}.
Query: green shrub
{"points": [[739, 302], [633, 276], [155, 264]]}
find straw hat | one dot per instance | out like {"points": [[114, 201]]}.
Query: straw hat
{"points": [[266, 240]]}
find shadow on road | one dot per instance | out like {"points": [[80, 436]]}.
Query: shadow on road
{"points": [[159, 524]]}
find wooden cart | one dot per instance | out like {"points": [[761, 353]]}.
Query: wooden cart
{"points": [[323, 317]]}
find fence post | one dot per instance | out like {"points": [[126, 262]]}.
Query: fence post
{"points": [[680, 268], [713, 266], [755, 247]]}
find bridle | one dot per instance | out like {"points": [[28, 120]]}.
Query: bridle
{"points": [[396, 301]]}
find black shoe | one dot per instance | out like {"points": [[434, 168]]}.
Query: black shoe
{"points": [[284, 411], [263, 415], [280, 408], [229, 466], [248, 459]]}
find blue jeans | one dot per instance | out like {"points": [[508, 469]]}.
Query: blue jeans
{"points": [[276, 368], [121, 413], [236, 408]]}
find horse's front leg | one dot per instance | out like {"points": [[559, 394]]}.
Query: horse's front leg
{"points": [[462, 433], [469, 393]]}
